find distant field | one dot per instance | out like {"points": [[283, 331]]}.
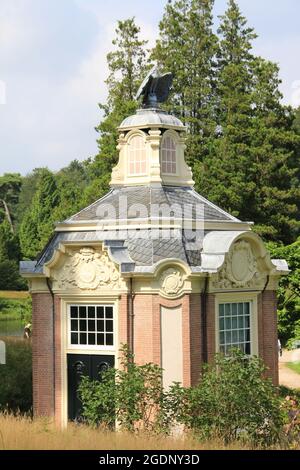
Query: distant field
{"points": [[11, 294]]}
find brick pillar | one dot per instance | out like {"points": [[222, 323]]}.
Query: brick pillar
{"points": [[58, 359], [210, 327], [267, 333], [195, 337], [42, 354]]}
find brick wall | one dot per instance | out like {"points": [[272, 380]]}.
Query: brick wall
{"points": [[196, 342], [42, 354], [267, 332], [211, 328]]}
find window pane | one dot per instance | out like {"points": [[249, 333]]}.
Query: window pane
{"points": [[240, 309], [82, 312], [92, 338], [82, 338], [109, 325], [100, 339], [234, 309], [82, 325], [227, 310], [109, 312], [100, 312], [74, 312], [222, 338], [109, 339], [221, 309], [91, 312], [74, 338], [221, 325], [246, 308], [100, 325], [91, 325], [74, 325], [234, 322]]}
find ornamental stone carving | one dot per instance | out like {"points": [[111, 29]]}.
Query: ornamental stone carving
{"points": [[240, 269], [87, 269], [171, 282]]}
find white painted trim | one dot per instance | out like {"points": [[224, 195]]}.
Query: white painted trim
{"points": [[64, 307], [82, 347], [232, 297]]}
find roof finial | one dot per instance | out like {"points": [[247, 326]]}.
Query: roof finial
{"points": [[155, 88]]}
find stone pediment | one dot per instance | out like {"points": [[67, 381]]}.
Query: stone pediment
{"points": [[241, 269], [84, 269]]}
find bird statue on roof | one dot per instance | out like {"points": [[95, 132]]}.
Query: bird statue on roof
{"points": [[155, 88]]}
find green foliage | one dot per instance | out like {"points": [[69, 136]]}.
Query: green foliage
{"points": [[234, 401], [9, 276], [288, 292], [131, 395], [126, 64], [16, 309], [10, 186], [251, 169], [16, 377], [38, 222], [187, 47]]}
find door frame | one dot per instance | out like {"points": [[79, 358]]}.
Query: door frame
{"points": [[66, 301]]}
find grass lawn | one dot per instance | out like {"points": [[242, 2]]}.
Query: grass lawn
{"points": [[15, 306], [295, 366]]}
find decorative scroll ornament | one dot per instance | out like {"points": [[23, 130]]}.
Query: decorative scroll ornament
{"points": [[171, 282], [240, 269], [88, 269]]}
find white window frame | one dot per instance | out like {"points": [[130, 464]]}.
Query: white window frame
{"points": [[90, 347], [234, 297], [144, 149], [161, 155]]}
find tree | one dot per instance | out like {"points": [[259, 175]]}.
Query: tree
{"points": [[127, 65], [288, 292], [38, 222], [187, 47], [10, 186], [250, 170]]}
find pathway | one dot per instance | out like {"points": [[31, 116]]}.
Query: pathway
{"points": [[288, 377]]}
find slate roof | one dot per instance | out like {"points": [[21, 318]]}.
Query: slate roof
{"points": [[185, 198]]}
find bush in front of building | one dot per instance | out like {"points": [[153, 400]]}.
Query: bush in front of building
{"points": [[132, 396], [234, 401], [16, 377]]}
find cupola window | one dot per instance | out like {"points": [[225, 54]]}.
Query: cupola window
{"points": [[137, 156], [168, 156]]}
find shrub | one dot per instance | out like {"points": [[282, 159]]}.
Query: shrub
{"points": [[234, 401], [16, 377], [131, 395]]}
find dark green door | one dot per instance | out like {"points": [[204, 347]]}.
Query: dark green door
{"points": [[78, 366]]}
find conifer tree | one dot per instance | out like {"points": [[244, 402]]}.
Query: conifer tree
{"points": [[187, 47], [127, 66], [250, 170], [38, 222]]}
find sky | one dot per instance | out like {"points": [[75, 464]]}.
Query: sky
{"points": [[53, 68]]}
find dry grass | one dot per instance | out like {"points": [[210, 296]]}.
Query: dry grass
{"points": [[12, 294], [21, 433]]}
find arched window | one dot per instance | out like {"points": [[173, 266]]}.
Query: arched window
{"points": [[137, 156], [168, 156]]}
